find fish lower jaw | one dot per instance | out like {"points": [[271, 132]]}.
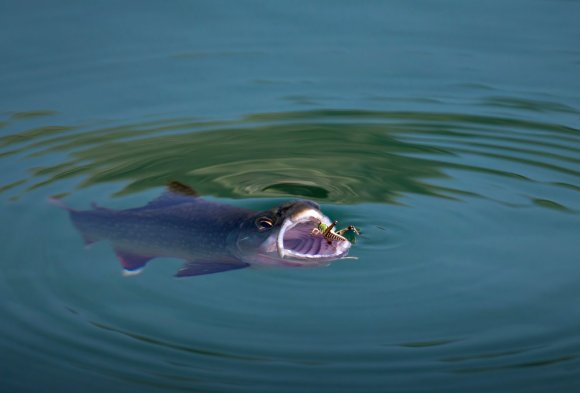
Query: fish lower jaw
{"points": [[309, 218], [330, 253], [290, 254], [297, 258]]}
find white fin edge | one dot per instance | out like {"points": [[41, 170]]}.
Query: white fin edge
{"points": [[130, 273]]}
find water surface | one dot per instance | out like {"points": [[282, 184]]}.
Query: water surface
{"points": [[448, 132]]}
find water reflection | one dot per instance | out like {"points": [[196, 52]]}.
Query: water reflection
{"points": [[530, 364], [338, 156], [177, 347]]}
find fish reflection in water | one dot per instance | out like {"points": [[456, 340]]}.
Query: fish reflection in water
{"points": [[211, 237]]}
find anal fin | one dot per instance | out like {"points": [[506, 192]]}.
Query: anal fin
{"points": [[198, 268], [132, 262], [88, 240]]}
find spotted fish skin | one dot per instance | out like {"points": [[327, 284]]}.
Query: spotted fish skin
{"points": [[190, 230]]}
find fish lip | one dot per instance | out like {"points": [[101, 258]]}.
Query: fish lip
{"points": [[291, 222], [306, 216]]}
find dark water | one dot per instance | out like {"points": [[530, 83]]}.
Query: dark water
{"points": [[448, 131]]}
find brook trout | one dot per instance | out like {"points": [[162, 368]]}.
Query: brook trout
{"points": [[211, 237]]}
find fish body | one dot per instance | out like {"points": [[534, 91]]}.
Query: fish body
{"points": [[211, 237]]}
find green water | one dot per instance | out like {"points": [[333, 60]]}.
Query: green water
{"points": [[447, 131]]}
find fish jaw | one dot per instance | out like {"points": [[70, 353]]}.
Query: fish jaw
{"points": [[294, 244]]}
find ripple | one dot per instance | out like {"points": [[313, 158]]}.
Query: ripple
{"points": [[336, 156], [446, 202], [32, 114], [530, 105], [298, 188]]}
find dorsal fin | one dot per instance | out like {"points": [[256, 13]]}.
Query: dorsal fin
{"points": [[175, 194], [180, 188]]}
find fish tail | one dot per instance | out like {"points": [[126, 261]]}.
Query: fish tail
{"points": [[59, 203], [74, 217]]}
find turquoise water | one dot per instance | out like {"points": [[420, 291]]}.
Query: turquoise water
{"points": [[448, 131]]}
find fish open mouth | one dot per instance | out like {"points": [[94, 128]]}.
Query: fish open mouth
{"points": [[295, 240]]}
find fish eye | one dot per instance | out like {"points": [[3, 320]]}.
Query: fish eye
{"points": [[264, 223]]}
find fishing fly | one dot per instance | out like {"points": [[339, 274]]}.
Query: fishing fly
{"points": [[345, 234]]}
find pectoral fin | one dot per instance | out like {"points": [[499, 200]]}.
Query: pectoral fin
{"points": [[197, 268]]}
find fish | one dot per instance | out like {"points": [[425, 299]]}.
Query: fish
{"points": [[210, 237]]}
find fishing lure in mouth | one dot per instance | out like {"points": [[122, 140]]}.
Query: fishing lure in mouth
{"points": [[327, 231]]}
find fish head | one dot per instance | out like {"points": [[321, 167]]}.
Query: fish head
{"points": [[284, 236]]}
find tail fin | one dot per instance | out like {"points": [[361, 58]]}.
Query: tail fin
{"points": [[88, 240], [59, 203]]}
